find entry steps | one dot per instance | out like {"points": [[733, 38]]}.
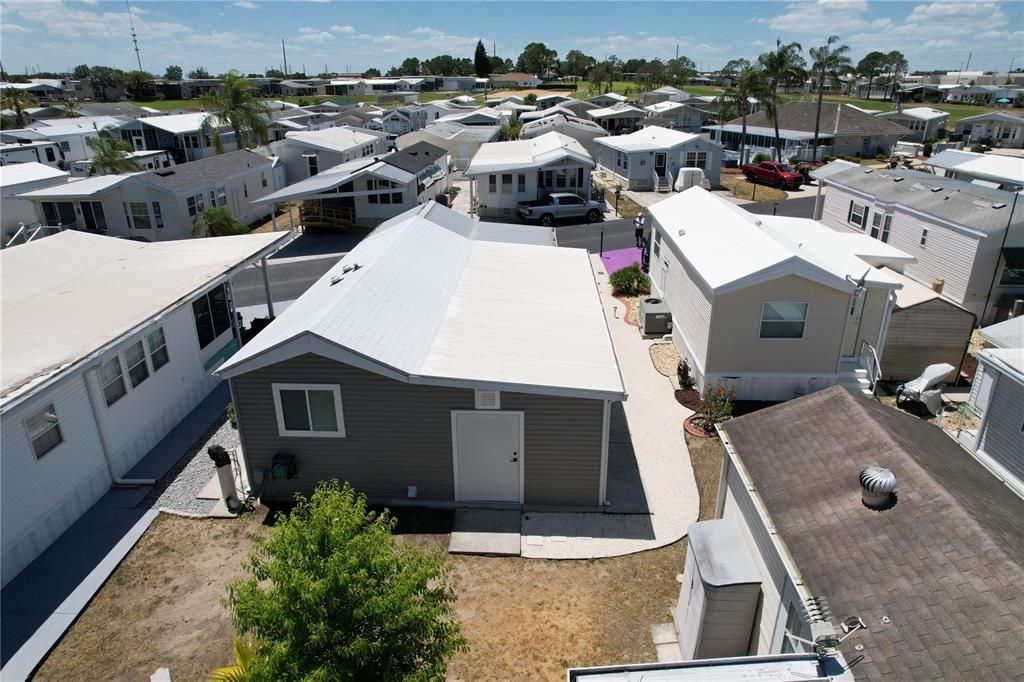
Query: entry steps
{"points": [[855, 378]]}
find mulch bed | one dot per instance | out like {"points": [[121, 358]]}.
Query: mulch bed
{"points": [[689, 398], [627, 307]]}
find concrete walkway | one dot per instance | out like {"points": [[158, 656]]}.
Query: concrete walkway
{"points": [[649, 437], [42, 601]]}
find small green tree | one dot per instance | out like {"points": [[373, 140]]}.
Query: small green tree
{"points": [[510, 131], [530, 99], [332, 596], [18, 101], [110, 156], [762, 156], [216, 222], [716, 407], [630, 281]]}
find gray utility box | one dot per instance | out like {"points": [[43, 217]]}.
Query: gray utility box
{"points": [[719, 594], [655, 317]]}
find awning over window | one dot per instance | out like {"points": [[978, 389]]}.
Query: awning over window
{"points": [[1014, 256]]}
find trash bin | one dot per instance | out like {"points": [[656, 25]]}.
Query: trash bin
{"points": [[225, 475]]}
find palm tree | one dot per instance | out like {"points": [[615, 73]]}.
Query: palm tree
{"points": [[245, 655], [110, 156], [18, 101], [782, 65], [236, 106], [71, 109], [216, 222], [748, 85], [829, 62]]}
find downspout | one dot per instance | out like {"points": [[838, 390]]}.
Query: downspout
{"points": [[114, 478]]}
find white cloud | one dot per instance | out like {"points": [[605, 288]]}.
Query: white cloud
{"points": [[342, 29], [245, 4], [313, 35], [14, 28], [820, 17], [425, 29], [136, 10]]}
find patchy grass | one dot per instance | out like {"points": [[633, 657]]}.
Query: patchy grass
{"points": [[625, 207], [741, 189], [706, 460], [161, 607]]}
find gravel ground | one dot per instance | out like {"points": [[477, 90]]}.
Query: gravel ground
{"points": [[177, 490], [665, 358]]}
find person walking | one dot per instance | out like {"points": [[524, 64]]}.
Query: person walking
{"points": [[638, 229]]}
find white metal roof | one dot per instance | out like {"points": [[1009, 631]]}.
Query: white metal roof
{"points": [[520, 154], [21, 173], [831, 168], [921, 113], [616, 110], [537, 114], [662, 107], [66, 297], [1009, 360], [609, 95], [988, 166], [441, 299], [650, 138], [1006, 334], [732, 249], [177, 124], [79, 187], [335, 177], [337, 139]]}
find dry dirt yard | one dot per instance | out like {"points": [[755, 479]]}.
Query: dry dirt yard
{"points": [[525, 619]]}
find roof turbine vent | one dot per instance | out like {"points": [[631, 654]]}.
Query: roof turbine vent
{"points": [[877, 488]]}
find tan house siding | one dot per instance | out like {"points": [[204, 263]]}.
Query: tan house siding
{"points": [[735, 345], [934, 331]]}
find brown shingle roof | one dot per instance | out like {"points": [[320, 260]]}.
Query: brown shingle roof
{"points": [[513, 76], [946, 564], [836, 119]]}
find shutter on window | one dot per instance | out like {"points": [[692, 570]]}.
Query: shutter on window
{"points": [[849, 214]]}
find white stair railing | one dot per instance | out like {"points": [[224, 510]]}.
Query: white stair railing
{"points": [[869, 361]]}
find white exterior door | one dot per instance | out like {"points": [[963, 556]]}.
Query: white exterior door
{"points": [[852, 330], [488, 456]]}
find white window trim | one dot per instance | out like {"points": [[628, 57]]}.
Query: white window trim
{"points": [[479, 404], [56, 425], [803, 333], [279, 413]]}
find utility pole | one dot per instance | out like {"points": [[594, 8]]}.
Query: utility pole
{"points": [[135, 40], [284, 58], [677, 50]]}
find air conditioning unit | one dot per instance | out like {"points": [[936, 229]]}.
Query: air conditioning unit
{"points": [[655, 318]]}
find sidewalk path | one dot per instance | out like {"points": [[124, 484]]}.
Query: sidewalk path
{"points": [[654, 429]]}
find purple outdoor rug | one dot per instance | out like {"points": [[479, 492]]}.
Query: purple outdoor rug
{"points": [[616, 260]]}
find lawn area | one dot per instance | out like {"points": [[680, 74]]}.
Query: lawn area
{"points": [[956, 111], [525, 619], [741, 189], [196, 103]]}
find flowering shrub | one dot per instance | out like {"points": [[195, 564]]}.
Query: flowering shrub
{"points": [[716, 406]]}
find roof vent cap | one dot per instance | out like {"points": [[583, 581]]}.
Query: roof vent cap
{"points": [[877, 488]]}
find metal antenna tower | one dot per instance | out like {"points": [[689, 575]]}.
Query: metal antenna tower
{"points": [[135, 40]]}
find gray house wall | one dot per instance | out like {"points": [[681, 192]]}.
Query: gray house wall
{"points": [[1002, 437], [926, 334], [400, 434]]}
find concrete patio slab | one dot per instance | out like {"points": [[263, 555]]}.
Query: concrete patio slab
{"points": [[651, 507], [666, 642], [485, 531]]}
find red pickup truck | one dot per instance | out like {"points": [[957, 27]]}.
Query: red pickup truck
{"points": [[772, 173]]}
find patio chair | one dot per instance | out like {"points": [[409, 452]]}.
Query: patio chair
{"points": [[926, 389]]}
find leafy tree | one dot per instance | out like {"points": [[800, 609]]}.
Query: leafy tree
{"points": [[828, 64], [577, 64], [332, 596], [105, 79], [613, 70], [733, 68], [81, 71], [896, 66], [199, 72], [110, 156], [537, 59], [410, 67], [498, 65], [371, 73], [597, 76], [746, 85], [481, 62], [870, 66], [781, 65], [139, 84], [216, 222], [530, 99], [274, 73], [510, 131], [71, 109], [18, 101], [236, 106], [173, 73], [680, 70]]}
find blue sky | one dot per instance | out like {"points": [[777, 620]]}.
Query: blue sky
{"points": [[246, 34]]}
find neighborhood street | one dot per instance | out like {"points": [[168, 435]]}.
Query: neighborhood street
{"points": [[618, 234], [791, 208]]}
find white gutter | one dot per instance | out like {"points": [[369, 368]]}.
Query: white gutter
{"points": [[104, 448]]}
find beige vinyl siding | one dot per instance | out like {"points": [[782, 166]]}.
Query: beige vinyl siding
{"points": [[963, 260], [688, 299], [399, 434], [926, 334], [740, 506], [1003, 437], [735, 346]]}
